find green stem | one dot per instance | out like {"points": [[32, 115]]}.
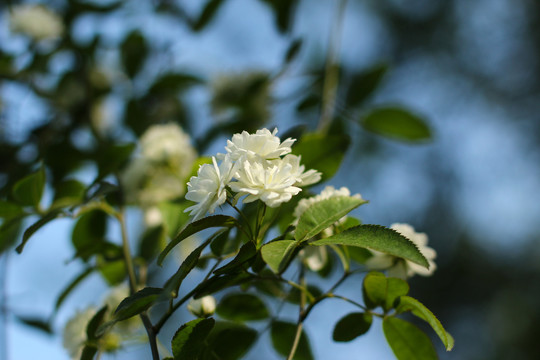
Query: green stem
{"points": [[133, 284], [331, 78], [300, 324], [246, 221]]}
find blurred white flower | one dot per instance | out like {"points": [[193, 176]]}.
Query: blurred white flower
{"points": [[124, 329], [263, 145], [401, 268], [270, 182], [35, 21], [303, 178], [202, 307], [314, 257], [153, 216], [169, 144], [74, 336], [147, 183], [208, 188]]}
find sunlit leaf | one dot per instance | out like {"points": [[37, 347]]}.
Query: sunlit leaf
{"points": [[242, 307], [323, 214], [407, 341], [380, 238], [407, 303], [351, 326], [397, 123], [283, 334], [277, 254], [189, 339]]}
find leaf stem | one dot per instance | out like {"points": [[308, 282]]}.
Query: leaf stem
{"points": [[331, 77]]}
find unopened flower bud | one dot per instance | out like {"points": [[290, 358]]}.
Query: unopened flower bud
{"points": [[202, 307]]}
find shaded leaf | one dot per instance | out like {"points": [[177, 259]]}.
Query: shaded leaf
{"points": [[407, 303], [283, 334], [380, 238], [71, 286], [68, 193], [217, 283], [293, 50], [10, 210], [172, 83], [246, 253], [35, 227], [383, 291], [363, 84], [111, 158], [195, 227], [134, 51], [137, 303], [88, 353], [397, 123], [351, 326], [36, 323], [95, 323], [188, 340], [28, 190], [88, 234], [322, 152], [407, 341], [229, 341], [210, 10], [242, 307], [323, 214]]}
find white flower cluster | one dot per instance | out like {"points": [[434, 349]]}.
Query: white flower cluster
{"points": [[401, 268], [35, 21], [159, 174], [258, 166], [74, 336]]}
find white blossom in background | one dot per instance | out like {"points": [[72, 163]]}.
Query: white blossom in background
{"points": [[168, 143], [126, 329], [208, 188], [159, 174], [74, 335], [261, 145], [273, 184], [401, 268], [35, 21], [314, 257], [203, 307]]}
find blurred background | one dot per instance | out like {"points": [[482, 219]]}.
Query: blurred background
{"points": [[468, 69]]}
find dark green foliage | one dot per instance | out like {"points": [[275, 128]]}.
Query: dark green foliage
{"points": [[351, 326], [283, 334], [397, 123], [188, 341], [242, 307]]}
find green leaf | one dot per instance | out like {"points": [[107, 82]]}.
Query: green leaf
{"points": [[380, 238], [407, 303], [134, 51], [171, 83], [173, 284], [277, 254], [113, 271], [398, 124], [323, 214], [152, 242], [217, 283], [37, 323], [189, 339], [10, 210], [111, 158], [246, 253], [68, 193], [228, 341], [71, 286], [351, 326], [195, 227], [293, 50], [283, 334], [210, 10], [322, 152], [364, 84], [88, 353], [383, 291], [283, 13], [28, 190], [88, 235], [95, 323], [137, 303], [9, 233], [242, 307], [35, 227], [407, 341]]}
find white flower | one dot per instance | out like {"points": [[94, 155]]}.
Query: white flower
{"points": [[401, 268], [168, 143], [36, 21], [327, 193], [208, 188], [153, 216], [263, 145], [147, 183], [270, 182], [303, 177], [74, 335], [202, 307]]}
